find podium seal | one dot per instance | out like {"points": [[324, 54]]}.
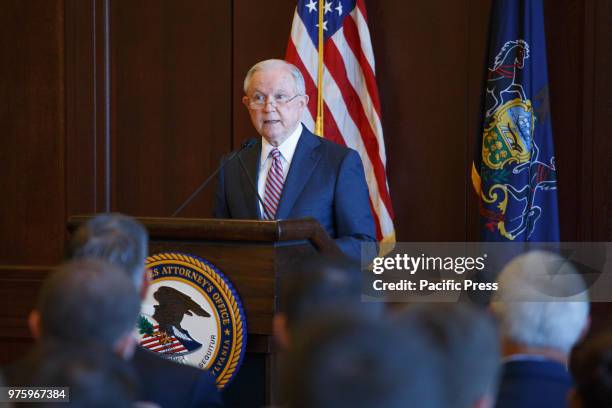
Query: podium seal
{"points": [[193, 315]]}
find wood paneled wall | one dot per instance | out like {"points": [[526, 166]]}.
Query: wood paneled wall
{"points": [[32, 153], [127, 105]]}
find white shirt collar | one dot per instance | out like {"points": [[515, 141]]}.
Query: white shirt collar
{"points": [[287, 148]]}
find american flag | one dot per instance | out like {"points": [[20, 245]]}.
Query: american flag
{"points": [[160, 342], [351, 106]]}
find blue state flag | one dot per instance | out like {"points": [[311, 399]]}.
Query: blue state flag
{"points": [[514, 173]]}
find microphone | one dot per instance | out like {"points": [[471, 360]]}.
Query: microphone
{"points": [[247, 144], [267, 214]]}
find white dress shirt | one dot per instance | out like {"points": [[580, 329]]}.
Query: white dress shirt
{"points": [[287, 149]]}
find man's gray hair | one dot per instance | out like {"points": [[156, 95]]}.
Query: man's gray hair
{"points": [[88, 301], [542, 301], [300, 87], [115, 238]]}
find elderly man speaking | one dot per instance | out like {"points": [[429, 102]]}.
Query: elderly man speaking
{"points": [[296, 173]]}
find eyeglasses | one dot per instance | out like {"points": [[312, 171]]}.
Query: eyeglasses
{"points": [[259, 101]]}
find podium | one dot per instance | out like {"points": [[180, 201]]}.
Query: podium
{"points": [[253, 255]]}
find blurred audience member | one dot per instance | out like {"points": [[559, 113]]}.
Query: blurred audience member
{"points": [[87, 302], [86, 307], [591, 367], [542, 305], [96, 377], [343, 361], [315, 285], [123, 241], [466, 339], [118, 239]]}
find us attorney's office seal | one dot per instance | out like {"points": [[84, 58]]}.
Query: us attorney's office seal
{"points": [[193, 315]]}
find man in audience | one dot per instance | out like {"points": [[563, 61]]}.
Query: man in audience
{"points": [[96, 377], [591, 367], [467, 341], [314, 285], [84, 305], [542, 305], [123, 241], [343, 360]]}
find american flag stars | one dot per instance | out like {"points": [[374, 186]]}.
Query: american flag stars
{"points": [[327, 7]]}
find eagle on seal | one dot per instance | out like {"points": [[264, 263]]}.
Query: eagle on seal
{"points": [[173, 305]]}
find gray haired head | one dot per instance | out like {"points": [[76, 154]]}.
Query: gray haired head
{"points": [[115, 238], [542, 301], [300, 86]]}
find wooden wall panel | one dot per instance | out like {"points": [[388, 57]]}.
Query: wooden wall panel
{"points": [[86, 130], [259, 33], [422, 64], [19, 286], [32, 118], [602, 121], [32, 210], [170, 102], [565, 36]]}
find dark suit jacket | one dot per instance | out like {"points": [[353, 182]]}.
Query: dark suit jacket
{"points": [[171, 384], [326, 181], [533, 384]]}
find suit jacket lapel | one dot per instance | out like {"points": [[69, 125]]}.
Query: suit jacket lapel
{"points": [[250, 158], [304, 161]]}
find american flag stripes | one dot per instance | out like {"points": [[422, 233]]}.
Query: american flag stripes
{"points": [[160, 342], [350, 95]]}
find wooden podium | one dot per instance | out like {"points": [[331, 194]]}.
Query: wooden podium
{"points": [[253, 255]]}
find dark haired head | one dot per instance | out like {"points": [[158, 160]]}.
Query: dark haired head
{"points": [[591, 367], [88, 301], [467, 340], [321, 283], [347, 361]]}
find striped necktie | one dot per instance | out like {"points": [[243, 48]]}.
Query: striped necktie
{"points": [[274, 185]]}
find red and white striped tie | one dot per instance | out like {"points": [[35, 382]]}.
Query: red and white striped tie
{"points": [[274, 185]]}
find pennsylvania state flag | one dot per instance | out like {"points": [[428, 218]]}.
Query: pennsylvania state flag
{"points": [[514, 174]]}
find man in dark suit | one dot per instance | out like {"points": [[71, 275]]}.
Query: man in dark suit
{"points": [[122, 241], [296, 173], [542, 305], [83, 324]]}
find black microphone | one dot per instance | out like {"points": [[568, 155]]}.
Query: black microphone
{"points": [[263, 206], [247, 144]]}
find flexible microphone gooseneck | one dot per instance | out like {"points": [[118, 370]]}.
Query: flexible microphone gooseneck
{"points": [[263, 206], [249, 143]]}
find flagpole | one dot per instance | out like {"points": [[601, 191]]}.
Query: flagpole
{"points": [[319, 121]]}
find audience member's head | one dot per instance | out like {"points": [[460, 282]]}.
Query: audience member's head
{"points": [[542, 304], [314, 285], [115, 238], [591, 367], [344, 361], [95, 376], [87, 301], [466, 339]]}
